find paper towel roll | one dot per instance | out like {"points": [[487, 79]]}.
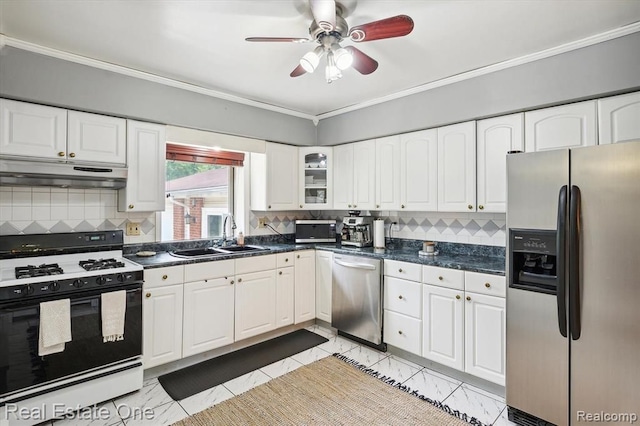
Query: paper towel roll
{"points": [[378, 233]]}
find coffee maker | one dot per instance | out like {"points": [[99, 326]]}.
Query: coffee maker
{"points": [[357, 230]]}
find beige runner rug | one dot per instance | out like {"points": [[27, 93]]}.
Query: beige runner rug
{"points": [[332, 391]]}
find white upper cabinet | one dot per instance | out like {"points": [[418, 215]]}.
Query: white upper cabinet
{"points": [[496, 137], [94, 138], [565, 126], [146, 155], [354, 176], [316, 184], [30, 130], [419, 171], [457, 167], [619, 118], [388, 173], [274, 178], [364, 178]]}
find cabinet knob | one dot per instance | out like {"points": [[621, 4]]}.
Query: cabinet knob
{"points": [[400, 297], [130, 206], [458, 296], [354, 206], [377, 206], [349, 205], [269, 206], [487, 285], [469, 298], [148, 295], [72, 155], [470, 207], [286, 259], [399, 331], [400, 270], [279, 272], [164, 277], [402, 206], [232, 282], [239, 280], [300, 205], [298, 256], [440, 278], [481, 207], [61, 154]]}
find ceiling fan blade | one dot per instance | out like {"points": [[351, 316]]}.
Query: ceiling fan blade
{"points": [[298, 71], [362, 62], [324, 13], [396, 26], [279, 39]]}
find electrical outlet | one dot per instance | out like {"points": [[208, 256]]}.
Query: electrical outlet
{"points": [[395, 227], [133, 229], [262, 222]]}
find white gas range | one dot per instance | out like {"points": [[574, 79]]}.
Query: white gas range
{"points": [[80, 267]]}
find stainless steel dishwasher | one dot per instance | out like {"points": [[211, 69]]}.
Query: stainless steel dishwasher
{"points": [[356, 301]]}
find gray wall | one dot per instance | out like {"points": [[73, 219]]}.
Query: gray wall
{"points": [[605, 68], [43, 79]]}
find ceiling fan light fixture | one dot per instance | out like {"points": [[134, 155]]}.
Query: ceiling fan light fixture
{"points": [[310, 60], [343, 58], [332, 72]]}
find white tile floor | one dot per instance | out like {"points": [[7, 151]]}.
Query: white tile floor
{"points": [[487, 407]]}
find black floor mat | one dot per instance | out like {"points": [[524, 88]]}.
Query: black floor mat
{"points": [[189, 381]]}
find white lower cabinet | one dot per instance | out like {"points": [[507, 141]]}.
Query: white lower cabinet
{"points": [[443, 326], [285, 279], [402, 301], [305, 286], [324, 267], [208, 315], [402, 331], [162, 325], [485, 336], [255, 302]]}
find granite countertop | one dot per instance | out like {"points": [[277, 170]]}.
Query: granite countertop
{"points": [[473, 263]]}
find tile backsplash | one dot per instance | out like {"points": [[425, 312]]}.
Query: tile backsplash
{"points": [[472, 228], [33, 210]]}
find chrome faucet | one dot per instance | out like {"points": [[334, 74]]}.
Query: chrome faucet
{"points": [[224, 229]]}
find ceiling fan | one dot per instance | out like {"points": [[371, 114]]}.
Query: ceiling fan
{"points": [[329, 28]]}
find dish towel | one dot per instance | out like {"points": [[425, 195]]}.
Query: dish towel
{"points": [[55, 326], [114, 305]]}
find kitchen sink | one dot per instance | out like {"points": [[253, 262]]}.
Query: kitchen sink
{"points": [[216, 251], [240, 249]]}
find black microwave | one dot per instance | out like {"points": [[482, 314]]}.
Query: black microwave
{"points": [[316, 231]]}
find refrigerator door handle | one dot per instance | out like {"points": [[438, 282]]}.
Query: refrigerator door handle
{"points": [[574, 263], [561, 263]]}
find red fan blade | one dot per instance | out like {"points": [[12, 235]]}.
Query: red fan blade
{"points": [[396, 26], [279, 39], [362, 62], [324, 13], [298, 71]]}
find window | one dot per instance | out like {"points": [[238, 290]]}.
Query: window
{"points": [[199, 192]]}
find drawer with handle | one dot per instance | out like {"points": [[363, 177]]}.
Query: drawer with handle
{"points": [[159, 277], [402, 296], [403, 332], [404, 270], [492, 285], [443, 277]]}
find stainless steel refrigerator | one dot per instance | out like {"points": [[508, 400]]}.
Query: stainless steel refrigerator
{"points": [[573, 301]]}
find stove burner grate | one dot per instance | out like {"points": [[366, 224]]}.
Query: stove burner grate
{"points": [[98, 264], [30, 271]]}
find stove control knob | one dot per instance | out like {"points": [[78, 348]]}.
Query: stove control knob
{"points": [[101, 280], [121, 277], [27, 290], [55, 286], [78, 283]]}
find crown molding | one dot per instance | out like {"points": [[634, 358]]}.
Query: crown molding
{"points": [[83, 60], [564, 48]]}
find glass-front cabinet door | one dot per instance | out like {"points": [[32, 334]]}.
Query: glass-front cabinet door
{"points": [[316, 178]]}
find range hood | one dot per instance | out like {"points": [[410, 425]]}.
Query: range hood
{"points": [[64, 175]]}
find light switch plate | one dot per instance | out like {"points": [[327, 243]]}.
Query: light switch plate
{"points": [[133, 229]]}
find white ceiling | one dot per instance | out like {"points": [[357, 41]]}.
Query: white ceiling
{"points": [[202, 42]]}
